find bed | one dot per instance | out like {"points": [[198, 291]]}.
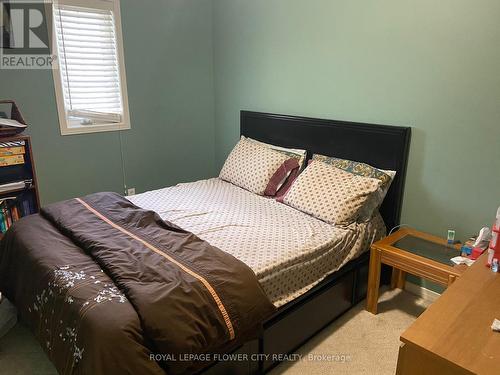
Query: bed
{"points": [[289, 251], [303, 265]]}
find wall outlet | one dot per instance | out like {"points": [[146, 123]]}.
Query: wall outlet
{"points": [[131, 191]]}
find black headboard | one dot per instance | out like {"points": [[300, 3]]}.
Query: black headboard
{"points": [[384, 147]]}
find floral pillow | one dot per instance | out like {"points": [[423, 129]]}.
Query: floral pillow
{"points": [[355, 167], [251, 166], [365, 170], [331, 194]]}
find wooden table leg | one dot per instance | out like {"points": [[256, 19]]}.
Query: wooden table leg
{"points": [[373, 281], [398, 278], [401, 280], [394, 277], [451, 279]]}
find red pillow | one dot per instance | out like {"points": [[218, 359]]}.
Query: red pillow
{"points": [[283, 177], [280, 195]]}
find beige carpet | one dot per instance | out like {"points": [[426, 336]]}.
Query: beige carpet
{"points": [[357, 343]]}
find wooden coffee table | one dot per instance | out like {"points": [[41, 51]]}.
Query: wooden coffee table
{"points": [[410, 251]]}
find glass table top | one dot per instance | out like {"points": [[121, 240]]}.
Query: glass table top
{"points": [[427, 249]]}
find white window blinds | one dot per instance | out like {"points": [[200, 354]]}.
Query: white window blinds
{"points": [[89, 65]]}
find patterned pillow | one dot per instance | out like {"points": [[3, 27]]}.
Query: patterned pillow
{"points": [[251, 166], [292, 173], [331, 194], [369, 209], [366, 170], [355, 167], [295, 153]]}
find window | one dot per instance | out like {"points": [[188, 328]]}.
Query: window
{"points": [[89, 72]]}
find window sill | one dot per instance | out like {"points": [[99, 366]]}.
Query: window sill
{"points": [[86, 129]]}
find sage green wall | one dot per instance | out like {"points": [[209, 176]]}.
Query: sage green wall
{"points": [[432, 65], [168, 55]]}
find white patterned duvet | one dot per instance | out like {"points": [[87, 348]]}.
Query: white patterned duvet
{"points": [[289, 251]]}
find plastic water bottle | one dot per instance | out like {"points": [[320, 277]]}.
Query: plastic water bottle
{"points": [[494, 246], [494, 265]]}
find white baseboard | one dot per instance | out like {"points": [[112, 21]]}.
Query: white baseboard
{"points": [[420, 291]]}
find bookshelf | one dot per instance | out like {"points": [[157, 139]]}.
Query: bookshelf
{"points": [[18, 185]]}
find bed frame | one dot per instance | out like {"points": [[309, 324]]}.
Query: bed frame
{"points": [[383, 146]]}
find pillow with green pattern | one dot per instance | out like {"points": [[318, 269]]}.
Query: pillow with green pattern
{"points": [[365, 170]]}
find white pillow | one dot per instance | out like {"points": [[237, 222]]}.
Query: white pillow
{"points": [[251, 165], [296, 153]]}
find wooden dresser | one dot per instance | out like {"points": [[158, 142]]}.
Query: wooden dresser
{"points": [[454, 336]]}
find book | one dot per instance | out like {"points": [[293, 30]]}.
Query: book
{"points": [[5, 219], [6, 199], [26, 210], [11, 160], [3, 228], [21, 209], [31, 206], [9, 151], [14, 208], [15, 185], [8, 218], [13, 143], [15, 213], [7, 122]]}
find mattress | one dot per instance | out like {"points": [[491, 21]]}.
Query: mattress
{"points": [[289, 251]]}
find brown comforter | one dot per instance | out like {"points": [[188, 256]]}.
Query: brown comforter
{"points": [[104, 285]]}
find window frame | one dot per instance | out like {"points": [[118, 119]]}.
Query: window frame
{"points": [[65, 128]]}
